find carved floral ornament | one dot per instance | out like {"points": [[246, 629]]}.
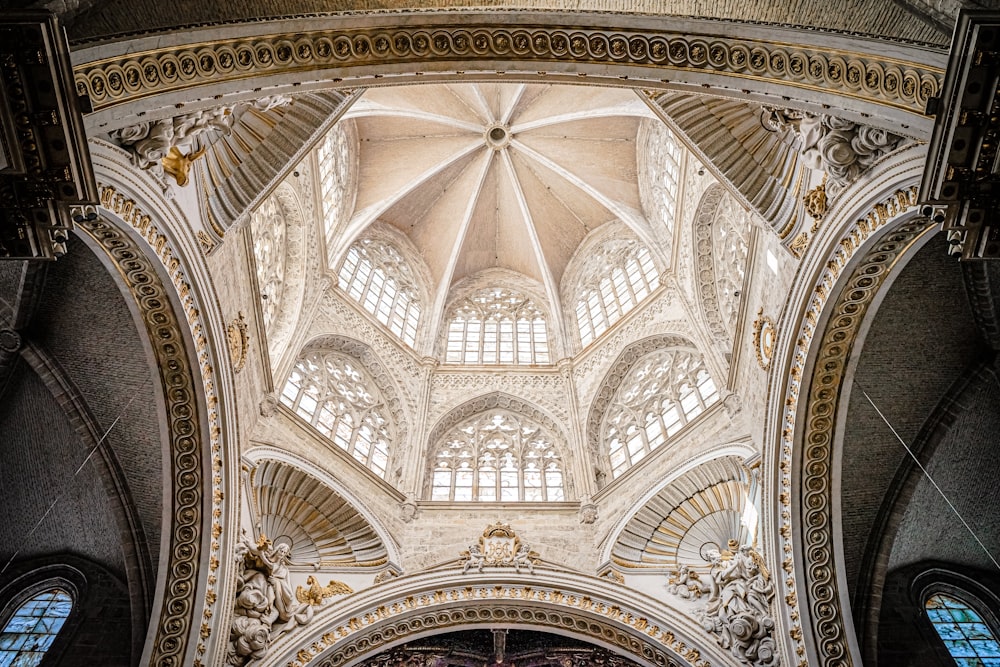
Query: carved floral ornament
{"points": [[111, 81]]}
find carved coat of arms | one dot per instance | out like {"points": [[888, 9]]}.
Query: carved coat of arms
{"points": [[499, 546]]}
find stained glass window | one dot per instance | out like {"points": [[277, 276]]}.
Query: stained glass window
{"points": [[660, 394], [334, 394], [497, 326], [966, 636], [375, 275], [497, 456], [31, 630], [617, 278]]}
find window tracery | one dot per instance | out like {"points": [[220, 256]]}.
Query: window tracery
{"points": [[722, 259], [497, 326], [661, 168], [335, 395], [661, 393], [335, 166], [29, 632], [966, 635], [268, 230], [618, 277], [497, 456], [376, 275]]}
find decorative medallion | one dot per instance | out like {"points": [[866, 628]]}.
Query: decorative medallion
{"points": [[816, 202], [499, 546], [239, 341], [764, 334]]}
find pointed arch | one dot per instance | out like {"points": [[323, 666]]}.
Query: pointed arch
{"points": [[497, 447], [341, 387]]}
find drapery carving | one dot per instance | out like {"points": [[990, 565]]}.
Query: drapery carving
{"points": [[266, 605], [169, 146], [737, 594]]}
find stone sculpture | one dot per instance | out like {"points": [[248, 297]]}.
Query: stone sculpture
{"points": [[737, 594], [265, 601]]}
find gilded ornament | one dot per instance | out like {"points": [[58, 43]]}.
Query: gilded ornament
{"points": [[816, 203], [239, 341], [315, 594], [499, 546], [178, 164], [764, 334]]}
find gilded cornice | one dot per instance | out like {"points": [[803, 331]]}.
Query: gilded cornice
{"points": [[810, 447], [653, 53]]}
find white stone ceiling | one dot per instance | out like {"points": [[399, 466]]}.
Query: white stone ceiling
{"points": [[482, 177]]}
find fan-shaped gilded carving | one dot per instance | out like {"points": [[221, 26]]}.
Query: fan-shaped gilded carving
{"points": [[690, 519], [319, 525]]}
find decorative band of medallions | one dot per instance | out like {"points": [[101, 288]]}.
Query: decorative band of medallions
{"points": [[850, 309], [374, 628], [177, 379], [901, 85]]}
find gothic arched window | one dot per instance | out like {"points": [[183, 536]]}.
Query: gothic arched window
{"points": [[616, 279], [969, 640], [661, 393], [30, 630], [375, 275], [334, 177], [661, 159], [268, 230], [497, 456], [334, 394], [497, 326]]}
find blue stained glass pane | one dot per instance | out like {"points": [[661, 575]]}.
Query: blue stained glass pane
{"points": [[959, 647], [968, 639], [986, 648], [31, 630]]}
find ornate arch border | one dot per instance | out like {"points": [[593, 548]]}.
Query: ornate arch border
{"points": [[409, 607], [854, 261], [155, 258], [771, 64]]}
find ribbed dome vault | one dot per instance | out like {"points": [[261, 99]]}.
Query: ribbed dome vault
{"points": [[481, 177]]}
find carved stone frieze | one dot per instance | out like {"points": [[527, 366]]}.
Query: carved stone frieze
{"points": [[843, 149], [547, 390], [428, 40]]}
